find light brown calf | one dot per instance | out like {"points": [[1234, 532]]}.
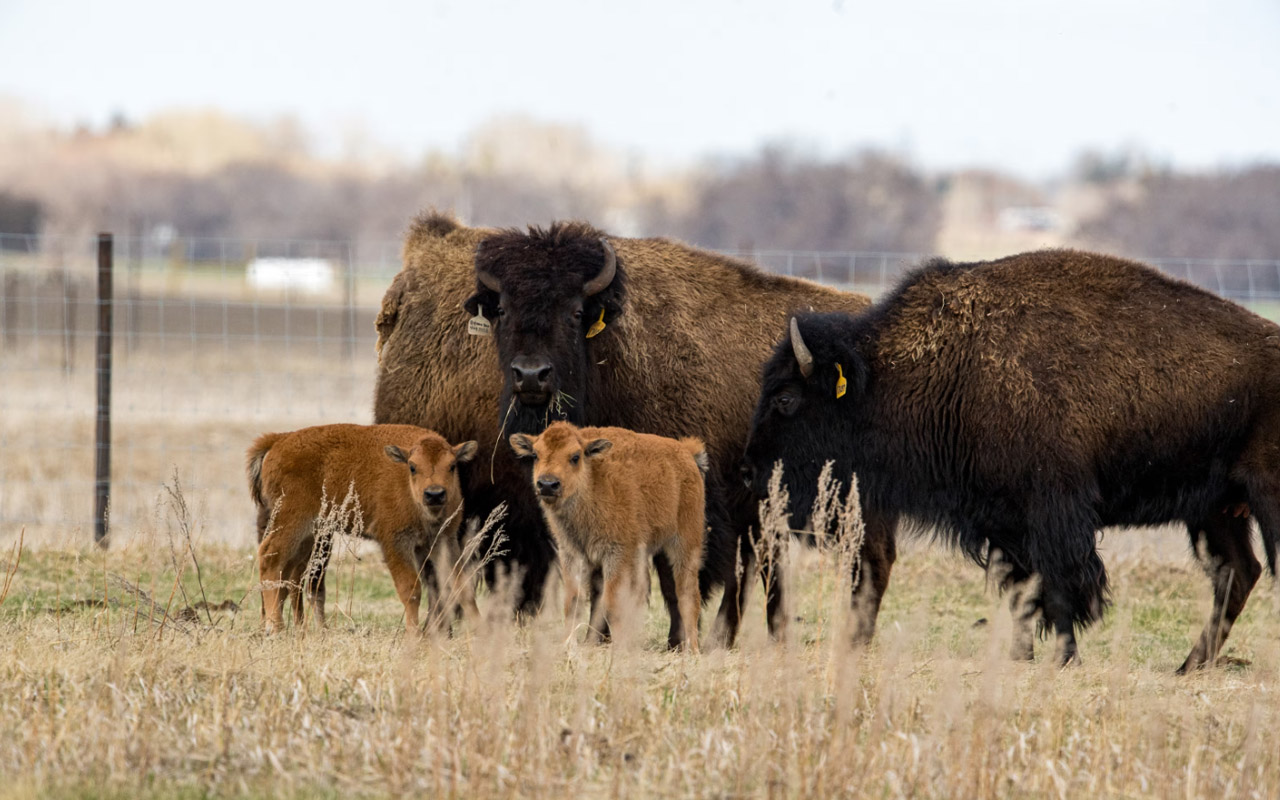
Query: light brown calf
{"points": [[406, 481], [613, 498]]}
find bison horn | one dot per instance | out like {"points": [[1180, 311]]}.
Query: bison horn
{"points": [[488, 281], [803, 357], [605, 277]]}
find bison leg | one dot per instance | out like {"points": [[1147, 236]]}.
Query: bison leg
{"points": [[312, 578], [1024, 603], [773, 581], [690, 602], [1229, 561], [277, 569], [879, 551], [736, 590], [599, 621], [402, 565], [671, 598]]}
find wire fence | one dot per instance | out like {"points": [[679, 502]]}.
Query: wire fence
{"points": [[219, 340]]}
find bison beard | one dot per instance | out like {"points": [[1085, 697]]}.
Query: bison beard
{"points": [[1019, 406]]}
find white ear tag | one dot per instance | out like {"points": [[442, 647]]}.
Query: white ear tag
{"points": [[478, 325]]}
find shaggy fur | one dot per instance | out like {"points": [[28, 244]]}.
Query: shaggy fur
{"points": [[685, 334], [432, 373], [613, 497], [409, 499], [1021, 405]]}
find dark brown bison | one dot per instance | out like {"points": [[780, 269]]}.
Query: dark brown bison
{"points": [[1018, 406], [433, 374], [646, 334]]}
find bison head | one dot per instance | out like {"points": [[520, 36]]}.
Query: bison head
{"points": [[807, 413], [548, 294], [433, 474]]}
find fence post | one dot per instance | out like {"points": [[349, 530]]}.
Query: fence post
{"points": [[349, 306], [102, 450]]}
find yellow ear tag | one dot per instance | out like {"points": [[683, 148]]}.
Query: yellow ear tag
{"points": [[841, 384], [596, 326]]}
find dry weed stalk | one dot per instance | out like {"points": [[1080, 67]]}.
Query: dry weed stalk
{"points": [[12, 566]]}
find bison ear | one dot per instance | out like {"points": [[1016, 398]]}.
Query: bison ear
{"points": [[522, 445], [597, 446], [396, 454], [465, 452], [483, 297], [856, 373]]}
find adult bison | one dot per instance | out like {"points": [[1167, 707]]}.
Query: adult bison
{"points": [[1023, 404], [432, 374], [646, 334]]}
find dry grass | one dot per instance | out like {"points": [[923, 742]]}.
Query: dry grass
{"points": [[104, 695]]}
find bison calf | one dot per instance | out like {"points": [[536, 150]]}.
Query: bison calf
{"points": [[405, 479], [613, 498]]}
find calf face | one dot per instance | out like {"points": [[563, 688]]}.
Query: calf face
{"points": [[561, 462], [433, 474]]}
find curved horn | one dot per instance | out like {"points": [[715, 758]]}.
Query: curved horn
{"points": [[803, 357], [605, 277], [488, 281]]}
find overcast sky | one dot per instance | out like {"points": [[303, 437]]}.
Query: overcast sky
{"points": [[1022, 85]]}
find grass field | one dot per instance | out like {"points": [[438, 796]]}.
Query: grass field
{"points": [[103, 695]]}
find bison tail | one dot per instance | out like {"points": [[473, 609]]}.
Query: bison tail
{"points": [[255, 456], [698, 450]]}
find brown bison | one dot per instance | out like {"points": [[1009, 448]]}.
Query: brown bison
{"points": [[1018, 406], [646, 334], [408, 497], [612, 499]]}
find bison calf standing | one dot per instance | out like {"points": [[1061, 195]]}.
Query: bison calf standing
{"points": [[406, 481], [615, 497]]}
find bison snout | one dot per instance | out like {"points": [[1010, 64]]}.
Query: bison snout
{"points": [[531, 377], [434, 496], [548, 488]]}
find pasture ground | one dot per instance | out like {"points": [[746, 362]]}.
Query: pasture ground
{"points": [[102, 696]]}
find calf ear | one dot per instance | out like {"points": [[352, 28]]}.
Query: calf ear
{"points": [[522, 444], [597, 446], [465, 452], [396, 454]]}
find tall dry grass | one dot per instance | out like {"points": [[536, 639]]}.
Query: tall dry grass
{"points": [[110, 688]]}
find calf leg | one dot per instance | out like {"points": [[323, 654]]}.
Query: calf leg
{"points": [[1229, 561], [599, 619], [276, 570], [773, 580], [403, 566]]}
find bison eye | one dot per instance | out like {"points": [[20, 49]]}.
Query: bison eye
{"points": [[577, 314], [413, 470], [453, 467], [575, 458], [786, 403]]}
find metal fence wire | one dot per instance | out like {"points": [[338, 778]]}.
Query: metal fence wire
{"points": [[217, 341]]}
